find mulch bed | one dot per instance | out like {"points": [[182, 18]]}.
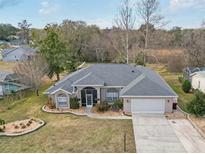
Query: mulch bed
{"points": [[107, 113], [80, 111]]}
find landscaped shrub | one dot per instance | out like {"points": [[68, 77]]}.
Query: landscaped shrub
{"points": [[74, 103], [186, 86], [102, 106], [117, 105], [2, 122], [197, 105], [50, 103]]}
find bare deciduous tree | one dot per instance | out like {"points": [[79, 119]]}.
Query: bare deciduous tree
{"points": [[193, 42], [126, 22], [32, 71], [25, 28], [147, 10]]}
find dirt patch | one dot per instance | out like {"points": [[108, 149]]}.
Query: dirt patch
{"points": [[175, 115], [200, 122]]}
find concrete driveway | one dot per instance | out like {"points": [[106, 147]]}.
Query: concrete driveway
{"points": [[154, 134], [192, 141]]}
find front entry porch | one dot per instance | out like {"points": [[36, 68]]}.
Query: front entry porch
{"points": [[88, 97]]}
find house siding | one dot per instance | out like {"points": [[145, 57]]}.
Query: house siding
{"points": [[54, 98], [127, 106], [195, 82]]}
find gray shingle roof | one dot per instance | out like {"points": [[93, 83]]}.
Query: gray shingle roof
{"points": [[3, 75], [24, 49], [190, 70], [137, 81], [90, 79]]}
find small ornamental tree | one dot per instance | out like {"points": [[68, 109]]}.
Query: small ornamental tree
{"points": [[140, 59], [197, 105], [186, 86]]}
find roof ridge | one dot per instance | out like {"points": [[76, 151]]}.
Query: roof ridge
{"points": [[9, 51], [158, 75], [66, 78], [132, 83], [162, 86], [82, 78], [169, 88]]}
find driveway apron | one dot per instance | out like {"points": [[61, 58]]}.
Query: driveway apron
{"points": [[153, 134]]}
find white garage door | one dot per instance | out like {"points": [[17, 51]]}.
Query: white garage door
{"points": [[148, 105]]}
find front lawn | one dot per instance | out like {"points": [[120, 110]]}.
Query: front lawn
{"points": [[173, 80], [65, 132]]}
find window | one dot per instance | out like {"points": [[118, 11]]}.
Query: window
{"points": [[111, 96], [199, 84], [62, 98]]}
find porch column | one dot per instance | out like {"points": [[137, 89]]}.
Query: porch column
{"points": [[98, 94], [79, 95], [56, 100]]}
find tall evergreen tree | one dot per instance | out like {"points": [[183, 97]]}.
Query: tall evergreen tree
{"points": [[56, 54]]}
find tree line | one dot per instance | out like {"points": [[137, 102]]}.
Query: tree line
{"points": [[63, 46]]}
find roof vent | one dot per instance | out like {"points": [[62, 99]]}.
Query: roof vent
{"points": [[133, 71]]}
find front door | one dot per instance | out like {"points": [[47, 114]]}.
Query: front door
{"points": [[89, 100]]}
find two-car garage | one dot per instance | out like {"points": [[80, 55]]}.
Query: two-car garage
{"points": [[147, 105]]}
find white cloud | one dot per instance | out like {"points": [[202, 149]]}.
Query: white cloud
{"points": [[181, 4], [102, 23], [48, 7]]}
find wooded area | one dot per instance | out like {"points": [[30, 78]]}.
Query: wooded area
{"points": [[123, 43]]}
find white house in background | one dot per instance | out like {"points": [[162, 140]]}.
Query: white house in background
{"points": [[198, 81]]}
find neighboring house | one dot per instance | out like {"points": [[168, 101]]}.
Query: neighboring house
{"points": [[198, 80], [17, 54], [140, 88], [190, 70], [9, 83]]}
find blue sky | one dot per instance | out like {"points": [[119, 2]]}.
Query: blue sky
{"points": [[183, 13]]}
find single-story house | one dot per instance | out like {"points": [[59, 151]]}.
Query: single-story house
{"points": [[9, 83], [198, 80], [17, 54], [141, 89]]}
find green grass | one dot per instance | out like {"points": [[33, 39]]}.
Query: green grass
{"points": [[65, 132], [173, 80]]}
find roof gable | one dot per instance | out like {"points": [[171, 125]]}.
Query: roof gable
{"points": [[147, 87]]}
